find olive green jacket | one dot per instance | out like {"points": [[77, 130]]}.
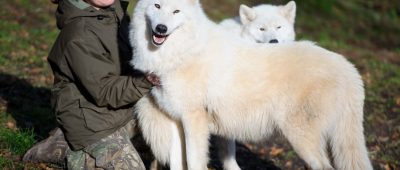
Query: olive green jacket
{"points": [[94, 85]]}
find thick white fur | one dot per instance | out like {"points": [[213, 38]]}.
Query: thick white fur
{"points": [[213, 83], [264, 23], [162, 133]]}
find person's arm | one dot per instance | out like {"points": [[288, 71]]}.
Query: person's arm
{"points": [[99, 75]]}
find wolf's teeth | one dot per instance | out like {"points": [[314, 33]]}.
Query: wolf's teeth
{"points": [[158, 39]]}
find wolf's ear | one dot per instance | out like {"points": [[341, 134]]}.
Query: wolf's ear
{"points": [[246, 14], [289, 11]]}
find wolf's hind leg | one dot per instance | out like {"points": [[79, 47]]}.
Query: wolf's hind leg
{"points": [[310, 145]]}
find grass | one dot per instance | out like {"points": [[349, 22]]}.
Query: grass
{"points": [[366, 32], [25, 38], [381, 112], [13, 144], [6, 163], [18, 142]]}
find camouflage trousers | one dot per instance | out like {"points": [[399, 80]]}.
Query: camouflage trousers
{"points": [[112, 152]]}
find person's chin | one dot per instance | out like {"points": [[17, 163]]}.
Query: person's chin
{"points": [[102, 3]]}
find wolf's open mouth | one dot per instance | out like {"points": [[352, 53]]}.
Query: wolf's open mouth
{"points": [[159, 39]]}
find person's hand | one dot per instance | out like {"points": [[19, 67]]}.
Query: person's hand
{"points": [[153, 79]]}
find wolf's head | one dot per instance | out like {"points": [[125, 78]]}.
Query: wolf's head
{"points": [[164, 17], [161, 30], [268, 23]]}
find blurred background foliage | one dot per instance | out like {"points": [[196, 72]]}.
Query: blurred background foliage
{"points": [[365, 31]]}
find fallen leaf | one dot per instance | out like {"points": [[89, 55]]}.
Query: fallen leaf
{"points": [[288, 164], [262, 151], [395, 136], [388, 167], [42, 165], [398, 101], [275, 151], [209, 167], [249, 146], [383, 139], [11, 125], [367, 78]]}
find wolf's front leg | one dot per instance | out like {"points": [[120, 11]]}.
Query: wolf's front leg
{"points": [[196, 131], [163, 134], [177, 152]]}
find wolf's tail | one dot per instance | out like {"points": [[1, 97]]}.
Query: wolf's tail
{"points": [[348, 144]]}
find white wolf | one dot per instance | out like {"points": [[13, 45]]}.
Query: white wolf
{"points": [[264, 23], [212, 83]]}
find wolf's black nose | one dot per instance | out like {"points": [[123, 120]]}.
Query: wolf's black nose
{"points": [[161, 28], [273, 41]]}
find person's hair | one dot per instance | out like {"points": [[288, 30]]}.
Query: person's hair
{"points": [[55, 1]]}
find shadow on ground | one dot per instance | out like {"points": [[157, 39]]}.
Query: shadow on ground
{"points": [[246, 159], [29, 106]]}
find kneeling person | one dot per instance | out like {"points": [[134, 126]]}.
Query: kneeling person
{"points": [[94, 90]]}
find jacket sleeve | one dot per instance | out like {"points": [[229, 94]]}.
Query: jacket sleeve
{"points": [[99, 75]]}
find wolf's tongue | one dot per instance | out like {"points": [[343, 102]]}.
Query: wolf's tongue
{"points": [[158, 39]]}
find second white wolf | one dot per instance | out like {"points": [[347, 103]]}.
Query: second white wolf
{"points": [[264, 23]]}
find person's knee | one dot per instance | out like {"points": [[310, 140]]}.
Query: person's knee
{"points": [[76, 160], [131, 128], [113, 152], [126, 158]]}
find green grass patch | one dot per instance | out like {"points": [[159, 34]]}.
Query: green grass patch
{"points": [[17, 141], [24, 50], [397, 50], [26, 38], [5, 162], [385, 78], [9, 164], [382, 82], [290, 155]]}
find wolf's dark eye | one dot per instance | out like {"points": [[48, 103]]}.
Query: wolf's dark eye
{"points": [[278, 27], [262, 29], [157, 6], [176, 11]]}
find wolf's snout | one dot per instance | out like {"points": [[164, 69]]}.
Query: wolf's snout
{"points": [[273, 41], [159, 34], [160, 28]]}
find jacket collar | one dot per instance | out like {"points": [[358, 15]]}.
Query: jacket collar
{"points": [[79, 4], [69, 10]]}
